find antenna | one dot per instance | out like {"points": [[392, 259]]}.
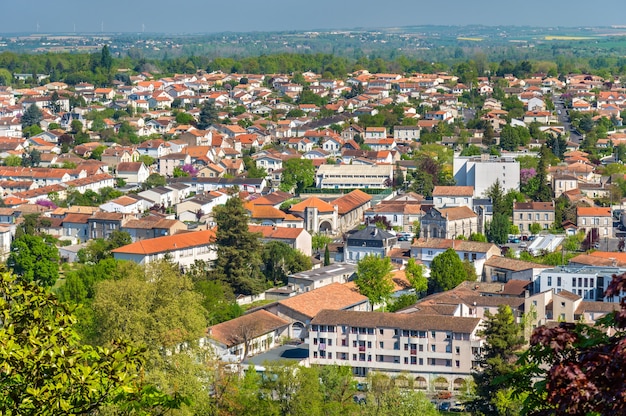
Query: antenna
{"points": [[102, 26], [143, 28], [37, 26]]}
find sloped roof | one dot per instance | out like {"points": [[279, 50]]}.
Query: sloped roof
{"points": [[351, 201], [453, 191], [249, 326], [334, 296], [456, 213], [168, 243], [312, 202], [284, 233]]}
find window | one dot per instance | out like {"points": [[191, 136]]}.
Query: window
{"points": [[406, 360], [457, 363], [457, 350], [330, 355], [421, 347], [537, 216], [545, 217], [558, 280], [421, 361], [433, 348], [413, 360], [549, 280], [381, 345], [432, 334]]}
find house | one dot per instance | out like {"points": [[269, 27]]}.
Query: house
{"points": [[425, 250], [449, 223], [402, 214], [437, 353], [247, 335], [316, 278], [182, 249], [595, 218], [200, 206], [296, 238], [368, 241], [453, 196], [124, 204], [563, 183], [375, 133], [406, 133], [76, 227], [102, 224], [168, 163], [526, 214], [154, 148], [133, 172], [113, 156], [504, 269], [152, 226]]}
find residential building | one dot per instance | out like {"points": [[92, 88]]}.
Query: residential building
{"points": [[504, 269], [425, 250], [449, 223], [182, 249], [563, 183], [133, 172], [247, 335], [370, 240], [152, 227], [316, 278], [301, 309], [296, 238], [482, 172], [437, 353], [599, 218], [406, 133], [526, 214], [102, 224], [453, 196], [590, 283]]}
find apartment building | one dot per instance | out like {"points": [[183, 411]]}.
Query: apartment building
{"points": [[437, 353], [589, 218], [482, 172], [527, 213]]}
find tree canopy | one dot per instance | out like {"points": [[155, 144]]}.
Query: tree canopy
{"points": [[373, 278], [446, 272], [33, 259], [298, 174]]}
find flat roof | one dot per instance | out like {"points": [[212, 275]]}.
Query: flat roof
{"points": [[287, 352], [324, 272]]}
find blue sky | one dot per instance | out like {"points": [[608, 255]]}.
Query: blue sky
{"points": [[192, 16]]}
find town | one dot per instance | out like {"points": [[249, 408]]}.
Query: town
{"points": [[379, 221]]}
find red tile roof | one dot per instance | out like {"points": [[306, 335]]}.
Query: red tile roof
{"points": [[168, 243], [334, 296]]}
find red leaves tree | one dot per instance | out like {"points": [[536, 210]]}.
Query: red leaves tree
{"points": [[581, 368]]}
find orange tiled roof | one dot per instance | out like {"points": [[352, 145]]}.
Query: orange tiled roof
{"points": [[334, 296], [276, 232], [168, 243], [593, 212], [312, 202], [351, 201]]}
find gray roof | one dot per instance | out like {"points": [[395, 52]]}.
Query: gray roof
{"points": [[370, 233]]}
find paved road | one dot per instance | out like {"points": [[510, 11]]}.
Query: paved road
{"points": [[565, 120]]}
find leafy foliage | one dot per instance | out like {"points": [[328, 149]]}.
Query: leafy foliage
{"points": [[69, 378], [446, 272], [373, 278], [298, 174], [33, 259]]}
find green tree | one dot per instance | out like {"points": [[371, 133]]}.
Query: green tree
{"points": [[69, 378], [534, 228], [208, 115], [31, 117], [298, 174], [326, 256], [543, 192], [238, 250], [106, 60], [498, 229], [373, 278], [446, 272], [319, 241], [12, 160], [503, 340], [153, 181], [281, 260], [415, 275], [33, 259], [478, 237]]}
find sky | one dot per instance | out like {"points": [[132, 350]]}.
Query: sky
{"points": [[209, 16]]}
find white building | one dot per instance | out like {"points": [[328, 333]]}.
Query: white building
{"points": [[354, 176], [589, 283], [482, 172]]}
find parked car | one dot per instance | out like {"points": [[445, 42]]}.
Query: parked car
{"points": [[514, 240], [445, 406], [523, 245]]}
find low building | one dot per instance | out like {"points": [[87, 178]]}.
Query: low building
{"points": [[316, 278], [425, 250], [183, 249], [526, 214], [598, 218], [370, 240], [296, 238], [354, 176], [504, 269], [449, 223], [453, 196], [247, 335], [590, 283], [438, 354]]}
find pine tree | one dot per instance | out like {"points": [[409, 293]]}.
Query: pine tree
{"points": [[32, 116], [543, 193], [238, 250], [208, 115], [326, 256], [503, 339]]}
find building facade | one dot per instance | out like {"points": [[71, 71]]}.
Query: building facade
{"points": [[527, 213], [482, 172], [437, 353]]}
